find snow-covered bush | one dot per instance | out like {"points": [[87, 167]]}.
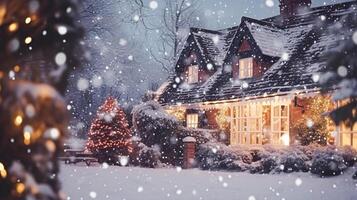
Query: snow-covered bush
{"points": [[218, 156], [331, 161], [324, 161], [148, 156], [155, 127]]}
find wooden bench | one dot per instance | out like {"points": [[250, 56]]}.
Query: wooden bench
{"points": [[72, 156]]}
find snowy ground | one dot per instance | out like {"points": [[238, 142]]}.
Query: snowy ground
{"points": [[126, 183]]}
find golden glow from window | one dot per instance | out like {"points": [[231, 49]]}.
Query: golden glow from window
{"points": [[192, 76], [192, 120], [245, 68]]}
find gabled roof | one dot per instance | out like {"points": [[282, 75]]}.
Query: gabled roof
{"points": [[269, 38], [304, 40], [214, 44]]}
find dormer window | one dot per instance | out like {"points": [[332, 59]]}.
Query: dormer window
{"points": [[192, 76], [245, 68]]}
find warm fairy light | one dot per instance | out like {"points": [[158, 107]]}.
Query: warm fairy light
{"points": [[17, 68], [20, 188], [51, 146], [3, 172], [28, 20], [13, 27], [18, 120], [27, 138], [28, 40]]}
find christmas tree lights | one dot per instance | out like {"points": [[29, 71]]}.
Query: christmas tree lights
{"points": [[109, 135]]}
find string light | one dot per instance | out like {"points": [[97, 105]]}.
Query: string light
{"points": [[18, 120], [28, 40], [20, 188], [13, 27], [17, 68], [3, 172], [28, 20], [27, 138]]}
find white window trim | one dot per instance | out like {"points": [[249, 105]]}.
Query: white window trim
{"points": [[192, 120], [241, 134], [246, 68], [192, 74]]}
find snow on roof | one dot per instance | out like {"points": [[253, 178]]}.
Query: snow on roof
{"points": [[214, 44], [304, 40], [269, 39]]}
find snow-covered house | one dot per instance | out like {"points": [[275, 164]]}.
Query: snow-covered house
{"points": [[260, 73]]}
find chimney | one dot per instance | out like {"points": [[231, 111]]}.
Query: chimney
{"points": [[289, 8]]}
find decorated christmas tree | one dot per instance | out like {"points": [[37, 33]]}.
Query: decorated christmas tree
{"points": [[109, 135], [313, 127]]}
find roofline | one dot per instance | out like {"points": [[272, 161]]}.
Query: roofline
{"points": [[298, 92]]}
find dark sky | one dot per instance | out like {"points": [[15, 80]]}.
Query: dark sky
{"points": [[226, 13]]}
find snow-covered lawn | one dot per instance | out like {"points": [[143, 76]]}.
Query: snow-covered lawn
{"points": [[119, 183]]}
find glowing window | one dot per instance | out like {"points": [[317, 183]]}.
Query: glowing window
{"points": [[192, 74], [192, 120], [245, 68]]}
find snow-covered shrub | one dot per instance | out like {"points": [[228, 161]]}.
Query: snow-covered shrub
{"points": [[155, 127], [349, 155], [328, 162], [274, 159], [148, 156], [218, 156], [293, 162]]}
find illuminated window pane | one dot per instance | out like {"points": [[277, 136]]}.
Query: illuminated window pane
{"points": [[193, 74], [192, 121], [245, 68]]}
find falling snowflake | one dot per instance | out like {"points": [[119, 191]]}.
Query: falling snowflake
{"points": [[342, 71], [285, 56], [62, 30], [209, 66], [269, 3], [178, 169], [105, 165], [153, 5], [124, 160], [136, 18], [177, 80], [82, 84], [178, 192], [60, 58], [93, 195], [123, 42], [140, 189], [251, 197], [298, 182], [316, 78]]}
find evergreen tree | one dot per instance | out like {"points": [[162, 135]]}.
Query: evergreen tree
{"points": [[109, 135], [340, 75], [39, 45]]}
